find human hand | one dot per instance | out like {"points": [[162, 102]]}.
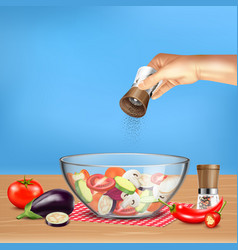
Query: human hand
{"points": [[186, 69]]}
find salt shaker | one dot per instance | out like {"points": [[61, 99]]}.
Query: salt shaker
{"points": [[208, 185]]}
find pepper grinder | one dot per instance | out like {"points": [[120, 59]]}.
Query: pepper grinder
{"points": [[135, 101], [208, 185]]}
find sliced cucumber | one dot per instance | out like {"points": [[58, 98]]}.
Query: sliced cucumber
{"points": [[146, 193], [83, 191], [124, 185], [148, 199], [142, 207]]}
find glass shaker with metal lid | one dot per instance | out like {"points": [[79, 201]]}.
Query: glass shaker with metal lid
{"points": [[208, 185]]}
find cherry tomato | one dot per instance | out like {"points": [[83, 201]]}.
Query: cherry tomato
{"points": [[23, 191], [124, 211], [158, 178], [154, 206], [113, 172], [100, 183]]}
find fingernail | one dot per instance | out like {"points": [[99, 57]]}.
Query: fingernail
{"points": [[141, 85]]}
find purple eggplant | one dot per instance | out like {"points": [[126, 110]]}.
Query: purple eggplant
{"points": [[57, 219], [106, 205], [55, 200]]}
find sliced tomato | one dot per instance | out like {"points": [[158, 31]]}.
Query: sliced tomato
{"points": [[128, 211], [113, 172], [158, 178], [100, 183]]}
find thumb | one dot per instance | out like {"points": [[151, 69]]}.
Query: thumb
{"points": [[152, 80]]}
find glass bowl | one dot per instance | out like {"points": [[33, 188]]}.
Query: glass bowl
{"points": [[124, 185]]}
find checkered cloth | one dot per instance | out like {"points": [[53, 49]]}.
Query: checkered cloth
{"points": [[82, 213]]}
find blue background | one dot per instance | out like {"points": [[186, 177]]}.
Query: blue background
{"points": [[63, 71]]}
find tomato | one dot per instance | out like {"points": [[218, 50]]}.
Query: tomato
{"points": [[100, 183], [94, 203], [113, 172], [158, 178], [128, 211], [23, 191], [154, 206]]}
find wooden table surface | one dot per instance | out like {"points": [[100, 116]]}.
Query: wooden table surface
{"points": [[26, 230]]}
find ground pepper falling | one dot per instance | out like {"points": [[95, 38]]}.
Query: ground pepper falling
{"points": [[132, 128]]}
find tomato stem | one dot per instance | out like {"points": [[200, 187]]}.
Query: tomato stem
{"points": [[25, 182]]}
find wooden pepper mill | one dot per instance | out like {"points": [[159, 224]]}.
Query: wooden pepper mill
{"points": [[208, 176]]}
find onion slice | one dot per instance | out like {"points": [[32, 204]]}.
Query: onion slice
{"points": [[169, 184]]}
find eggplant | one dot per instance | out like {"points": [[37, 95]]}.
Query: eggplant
{"points": [[57, 219], [55, 200], [106, 205]]}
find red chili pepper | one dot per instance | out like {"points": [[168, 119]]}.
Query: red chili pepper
{"points": [[213, 218], [190, 215]]}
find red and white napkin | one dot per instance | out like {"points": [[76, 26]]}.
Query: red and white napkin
{"points": [[82, 213]]}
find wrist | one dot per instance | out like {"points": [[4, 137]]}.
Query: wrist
{"points": [[218, 68], [200, 69]]}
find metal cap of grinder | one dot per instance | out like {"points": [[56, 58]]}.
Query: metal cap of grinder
{"points": [[135, 101], [208, 176]]}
